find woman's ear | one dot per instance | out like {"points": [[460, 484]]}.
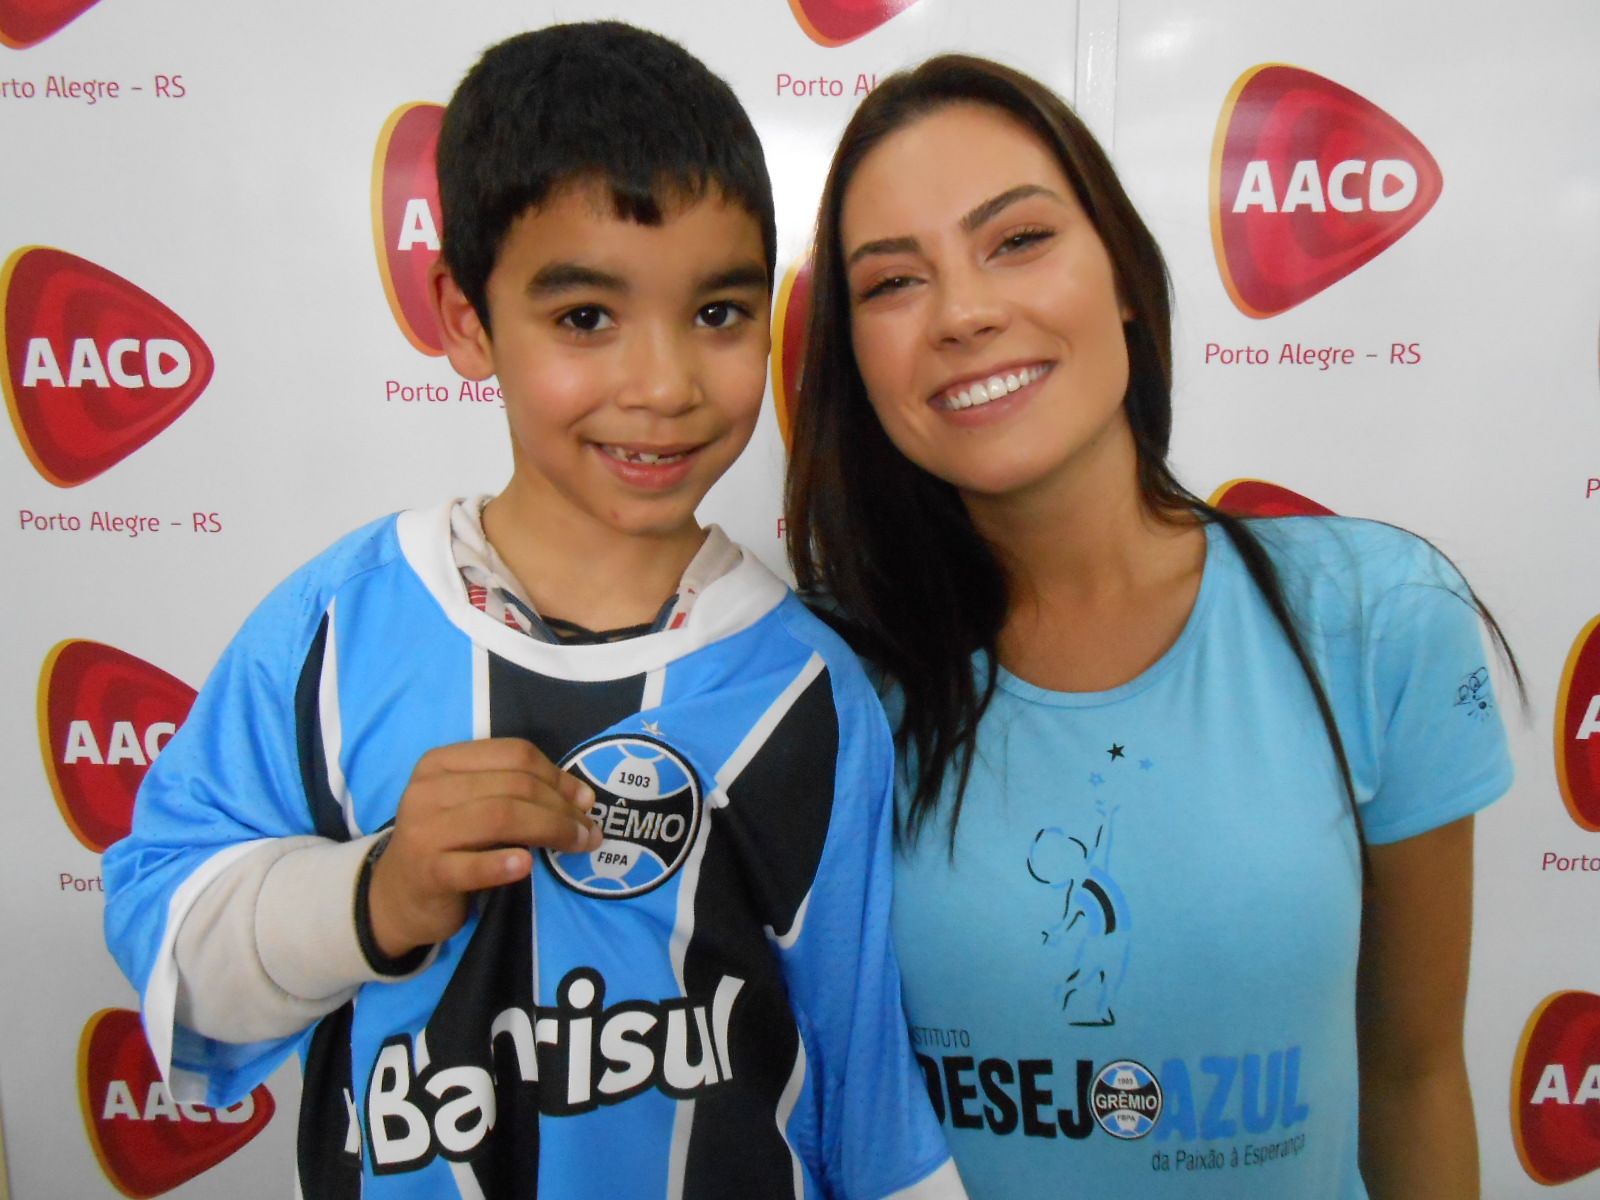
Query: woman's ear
{"points": [[466, 341]]}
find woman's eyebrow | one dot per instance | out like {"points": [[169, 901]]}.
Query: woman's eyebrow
{"points": [[984, 212], [894, 245], [989, 208]]}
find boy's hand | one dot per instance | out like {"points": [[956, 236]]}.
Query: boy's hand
{"points": [[467, 821]]}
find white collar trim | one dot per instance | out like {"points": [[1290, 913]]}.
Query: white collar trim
{"points": [[729, 604]]}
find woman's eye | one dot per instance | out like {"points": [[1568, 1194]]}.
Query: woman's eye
{"points": [[588, 319], [1023, 239], [720, 315], [892, 283]]}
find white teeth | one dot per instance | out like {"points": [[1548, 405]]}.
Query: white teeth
{"points": [[645, 457], [993, 388]]}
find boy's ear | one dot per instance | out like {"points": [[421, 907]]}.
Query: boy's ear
{"points": [[465, 340]]}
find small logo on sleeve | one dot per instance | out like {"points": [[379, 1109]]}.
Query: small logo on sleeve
{"points": [[93, 366], [405, 218], [836, 22], [104, 716], [1577, 729], [1309, 181], [147, 1142], [1258, 498], [25, 23], [792, 313], [1555, 1089], [647, 804]]}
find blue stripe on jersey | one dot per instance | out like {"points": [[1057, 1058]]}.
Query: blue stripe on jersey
{"points": [[383, 650]]}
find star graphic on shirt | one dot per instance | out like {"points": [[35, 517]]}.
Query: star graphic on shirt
{"points": [[652, 727], [1146, 763], [1115, 751], [1097, 779]]}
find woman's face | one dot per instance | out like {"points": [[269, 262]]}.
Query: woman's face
{"points": [[984, 307]]}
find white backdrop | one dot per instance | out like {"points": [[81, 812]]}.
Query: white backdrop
{"points": [[230, 178]]}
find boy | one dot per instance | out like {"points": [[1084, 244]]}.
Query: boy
{"points": [[690, 992]]}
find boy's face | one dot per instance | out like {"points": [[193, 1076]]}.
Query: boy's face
{"points": [[632, 358]]}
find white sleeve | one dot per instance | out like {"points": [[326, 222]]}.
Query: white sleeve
{"points": [[269, 947]]}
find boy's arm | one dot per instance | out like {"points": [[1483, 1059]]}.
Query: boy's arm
{"points": [[226, 788], [879, 1135], [273, 943], [270, 946]]}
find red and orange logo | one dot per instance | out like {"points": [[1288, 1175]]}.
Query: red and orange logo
{"points": [[104, 716], [93, 366], [1258, 498], [1577, 724], [835, 22], [148, 1143], [405, 218], [1555, 1089], [791, 315], [25, 23], [1309, 181]]}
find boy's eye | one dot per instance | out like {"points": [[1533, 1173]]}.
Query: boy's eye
{"points": [[589, 319], [719, 315]]}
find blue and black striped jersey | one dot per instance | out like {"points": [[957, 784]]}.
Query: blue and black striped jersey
{"points": [[705, 1006]]}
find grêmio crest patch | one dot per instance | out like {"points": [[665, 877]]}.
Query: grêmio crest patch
{"points": [[647, 804]]}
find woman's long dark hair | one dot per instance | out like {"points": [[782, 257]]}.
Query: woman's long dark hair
{"points": [[917, 588]]}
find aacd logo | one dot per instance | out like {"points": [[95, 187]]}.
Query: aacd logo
{"points": [[1258, 498], [93, 366], [24, 23], [1308, 182], [791, 315], [1555, 1089], [405, 218], [104, 716], [1577, 724], [146, 1142], [835, 22]]}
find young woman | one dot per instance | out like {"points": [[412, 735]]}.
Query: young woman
{"points": [[1187, 801]]}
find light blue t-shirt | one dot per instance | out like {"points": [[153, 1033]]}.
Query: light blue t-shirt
{"points": [[1136, 975]]}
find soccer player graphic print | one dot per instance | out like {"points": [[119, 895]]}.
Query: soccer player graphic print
{"points": [[1094, 925]]}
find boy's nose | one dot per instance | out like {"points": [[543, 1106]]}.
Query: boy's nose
{"points": [[661, 375]]}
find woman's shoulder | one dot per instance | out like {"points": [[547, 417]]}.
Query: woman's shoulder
{"points": [[1352, 552]]}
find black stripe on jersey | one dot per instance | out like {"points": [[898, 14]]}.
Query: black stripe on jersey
{"points": [[780, 805], [326, 814], [764, 847], [556, 714], [326, 1169], [1109, 909], [495, 974]]}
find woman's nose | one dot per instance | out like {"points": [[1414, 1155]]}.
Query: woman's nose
{"points": [[967, 306]]}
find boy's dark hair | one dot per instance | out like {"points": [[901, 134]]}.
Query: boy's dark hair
{"points": [[605, 101]]}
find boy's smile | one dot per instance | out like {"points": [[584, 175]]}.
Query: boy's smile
{"points": [[632, 359]]}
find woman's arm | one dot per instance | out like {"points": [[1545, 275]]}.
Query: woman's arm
{"points": [[1418, 1137]]}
